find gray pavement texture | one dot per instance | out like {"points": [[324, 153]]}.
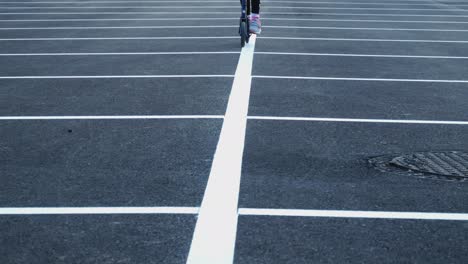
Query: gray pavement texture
{"points": [[286, 164], [95, 239]]}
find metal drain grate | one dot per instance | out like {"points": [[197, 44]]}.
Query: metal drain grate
{"points": [[445, 163]]}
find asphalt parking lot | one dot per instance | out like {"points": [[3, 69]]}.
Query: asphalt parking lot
{"points": [[140, 132]]}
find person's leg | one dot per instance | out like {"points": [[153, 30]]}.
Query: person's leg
{"points": [[256, 6], [255, 24]]}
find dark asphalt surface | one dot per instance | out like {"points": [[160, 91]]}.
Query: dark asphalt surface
{"points": [[329, 240], [286, 164]]}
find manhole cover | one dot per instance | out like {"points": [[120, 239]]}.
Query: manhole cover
{"points": [[448, 163], [452, 165]]}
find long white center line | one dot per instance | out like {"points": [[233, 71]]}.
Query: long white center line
{"points": [[215, 233]]}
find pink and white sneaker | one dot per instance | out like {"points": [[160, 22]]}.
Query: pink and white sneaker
{"points": [[255, 26]]}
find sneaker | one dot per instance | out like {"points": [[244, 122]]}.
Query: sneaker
{"points": [[255, 26]]}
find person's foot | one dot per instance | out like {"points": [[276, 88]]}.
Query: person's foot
{"points": [[255, 26]]}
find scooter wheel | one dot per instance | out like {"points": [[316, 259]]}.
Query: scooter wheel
{"points": [[243, 33]]}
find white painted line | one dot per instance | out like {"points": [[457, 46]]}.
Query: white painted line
{"points": [[123, 27], [360, 79], [359, 20], [359, 55], [103, 117], [358, 120], [378, 29], [213, 1], [266, 13], [120, 7], [369, 40], [354, 214], [235, 6], [234, 26], [215, 232], [119, 53], [95, 210], [103, 2], [224, 1], [122, 19], [116, 38], [118, 13], [235, 18], [113, 76]]}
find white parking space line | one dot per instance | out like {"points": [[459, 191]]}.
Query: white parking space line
{"points": [[377, 29], [359, 79], [215, 232], [236, 6], [231, 52], [119, 27], [119, 53], [117, 38], [369, 40], [424, 2], [95, 210], [123, 19], [120, 7], [113, 77], [362, 20], [353, 214], [235, 26], [360, 55], [234, 18], [102, 117], [357, 120], [119, 13], [266, 13]]}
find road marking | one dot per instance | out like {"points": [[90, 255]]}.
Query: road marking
{"points": [[360, 55], [370, 40], [235, 6], [228, 12], [382, 29], [355, 14], [357, 120], [359, 79], [354, 214], [117, 7], [116, 38], [235, 26], [113, 76], [231, 52], [362, 20], [102, 117], [122, 19], [214, 1], [120, 53], [117, 13], [234, 37], [215, 232], [234, 18], [123, 27], [223, 1], [95, 210]]}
